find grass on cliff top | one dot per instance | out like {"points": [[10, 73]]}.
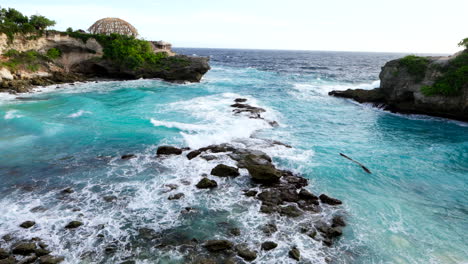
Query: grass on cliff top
{"points": [[127, 52], [415, 66], [454, 78], [28, 60]]}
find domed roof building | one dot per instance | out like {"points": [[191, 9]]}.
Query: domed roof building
{"points": [[112, 25]]}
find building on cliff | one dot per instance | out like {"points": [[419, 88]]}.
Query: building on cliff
{"points": [[112, 25]]}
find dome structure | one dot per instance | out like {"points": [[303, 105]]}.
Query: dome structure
{"points": [[112, 25]]}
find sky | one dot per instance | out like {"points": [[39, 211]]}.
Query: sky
{"points": [[409, 26]]}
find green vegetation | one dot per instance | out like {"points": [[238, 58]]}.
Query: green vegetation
{"points": [[454, 77], [12, 22], [126, 51], [415, 65], [28, 60], [463, 43], [53, 53]]}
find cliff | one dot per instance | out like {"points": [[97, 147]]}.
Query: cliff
{"points": [[436, 86], [58, 57]]}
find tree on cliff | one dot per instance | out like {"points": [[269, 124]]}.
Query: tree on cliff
{"points": [[12, 22], [464, 43]]}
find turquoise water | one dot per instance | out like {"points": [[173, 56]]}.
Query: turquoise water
{"points": [[411, 209]]}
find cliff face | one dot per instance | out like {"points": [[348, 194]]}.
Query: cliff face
{"points": [[401, 90], [80, 60]]}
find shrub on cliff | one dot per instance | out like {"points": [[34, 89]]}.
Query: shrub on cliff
{"points": [[463, 43], [415, 65], [28, 60], [454, 77]]}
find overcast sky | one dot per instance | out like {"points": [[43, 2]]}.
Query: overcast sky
{"points": [[422, 26]]}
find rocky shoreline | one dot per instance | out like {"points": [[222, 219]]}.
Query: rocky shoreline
{"points": [[280, 195], [403, 84], [81, 60]]}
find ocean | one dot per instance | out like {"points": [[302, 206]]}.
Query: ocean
{"points": [[412, 208]]}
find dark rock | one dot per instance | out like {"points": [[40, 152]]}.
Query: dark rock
{"points": [[73, 224], [244, 252], [205, 261], [289, 194], [50, 259], [27, 224], [193, 154], [235, 231], [297, 181], [24, 249], [4, 254], [328, 200], [128, 156], [42, 245], [306, 195], [312, 234], [361, 95], [67, 191], [218, 245], [269, 229], [38, 209], [209, 157], [168, 150], [272, 196], [338, 221], [206, 183], [8, 260], [261, 170], [218, 148], [268, 208], [309, 205], [176, 196], [222, 170], [250, 193], [329, 232], [171, 186], [295, 254], [269, 245], [7, 238], [110, 198], [240, 100], [41, 252], [290, 210]]}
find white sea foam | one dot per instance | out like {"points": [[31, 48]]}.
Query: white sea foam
{"points": [[216, 122], [11, 114], [80, 113]]}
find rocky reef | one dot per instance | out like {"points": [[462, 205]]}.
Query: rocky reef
{"points": [[60, 57], [435, 86]]}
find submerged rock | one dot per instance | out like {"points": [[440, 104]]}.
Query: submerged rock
{"points": [[294, 253], [218, 245], [222, 170], [27, 224], [329, 200], [193, 154], [206, 183], [4, 254], [244, 252], [128, 156], [338, 221], [269, 228], [50, 259], [240, 100], [67, 191], [110, 198], [73, 224], [176, 196], [168, 150], [24, 249], [269, 245]]}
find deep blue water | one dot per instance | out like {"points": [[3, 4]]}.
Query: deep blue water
{"points": [[411, 209]]}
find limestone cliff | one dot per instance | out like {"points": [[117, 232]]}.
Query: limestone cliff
{"points": [[406, 87], [80, 59]]}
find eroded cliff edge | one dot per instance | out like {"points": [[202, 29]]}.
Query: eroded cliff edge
{"points": [[436, 86], [59, 57]]}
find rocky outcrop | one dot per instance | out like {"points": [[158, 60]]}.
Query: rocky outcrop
{"points": [[81, 60], [401, 90]]}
